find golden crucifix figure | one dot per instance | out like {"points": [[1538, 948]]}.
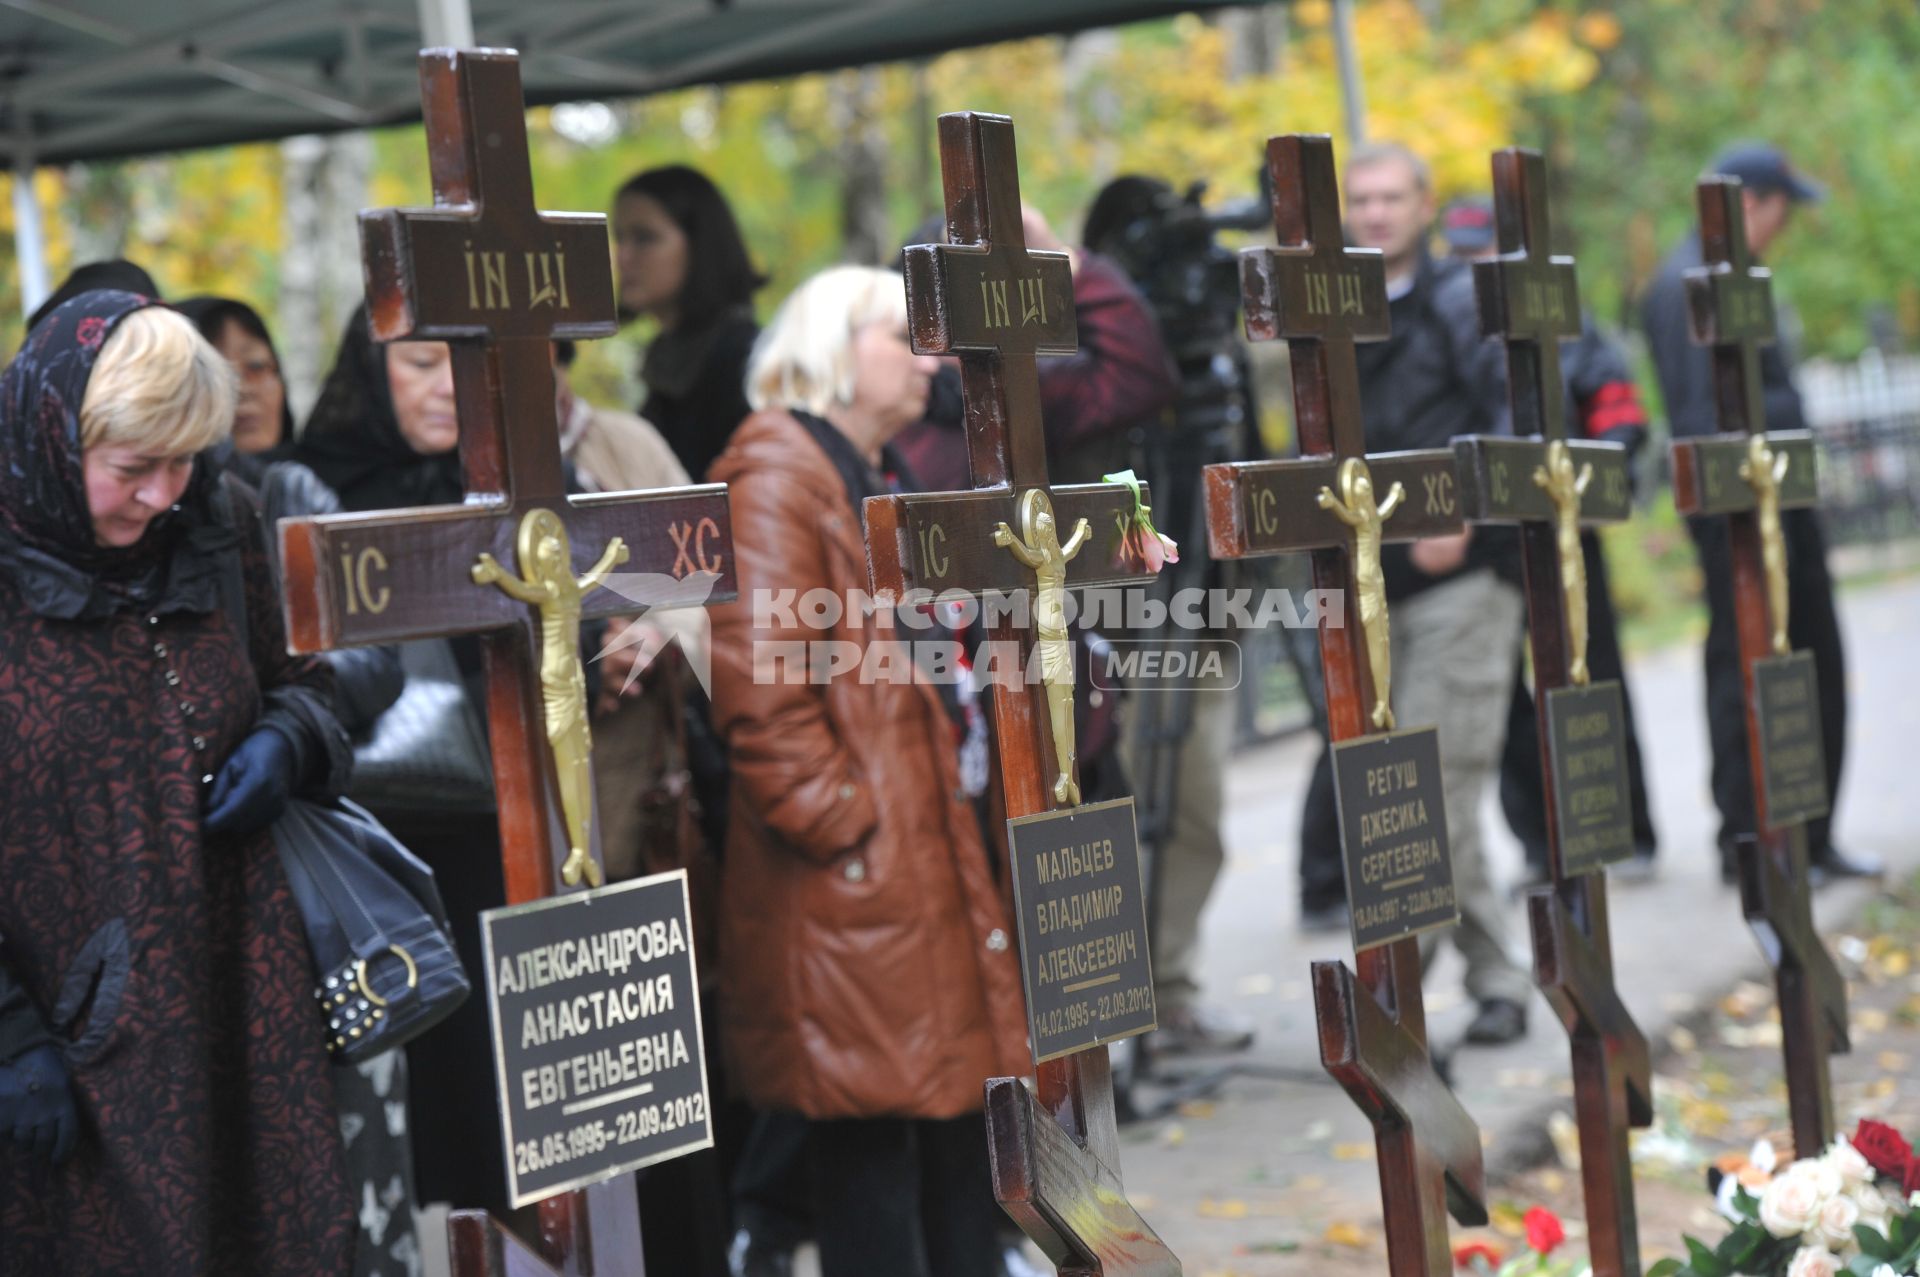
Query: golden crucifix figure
{"points": [[1565, 489], [1355, 508], [1038, 547], [544, 555], [1764, 470]]}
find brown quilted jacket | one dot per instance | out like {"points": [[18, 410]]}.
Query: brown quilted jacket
{"points": [[867, 963]]}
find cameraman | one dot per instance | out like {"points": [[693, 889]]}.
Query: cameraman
{"points": [[1090, 400], [1179, 737]]}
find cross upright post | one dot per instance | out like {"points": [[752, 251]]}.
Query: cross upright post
{"points": [[1550, 487], [986, 298], [1340, 502], [1750, 474], [488, 273]]}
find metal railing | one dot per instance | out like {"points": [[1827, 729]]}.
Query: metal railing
{"points": [[1865, 418]]}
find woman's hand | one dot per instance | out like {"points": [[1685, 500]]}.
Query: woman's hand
{"points": [[1437, 556], [626, 658], [252, 790], [36, 1104]]}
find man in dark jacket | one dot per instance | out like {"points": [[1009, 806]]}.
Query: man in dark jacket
{"points": [[1602, 404], [1771, 191], [1456, 605]]}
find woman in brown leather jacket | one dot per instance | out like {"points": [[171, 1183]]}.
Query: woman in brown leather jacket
{"points": [[867, 970]]}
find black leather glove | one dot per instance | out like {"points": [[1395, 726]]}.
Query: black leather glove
{"points": [[36, 1104], [252, 790]]}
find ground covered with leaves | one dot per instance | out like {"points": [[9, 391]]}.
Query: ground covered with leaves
{"points": [[1718, 1088]]}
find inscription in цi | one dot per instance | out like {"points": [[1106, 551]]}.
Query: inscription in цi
{"points": [[1033, 302], [1543, 301], [1349, 290], [546, 278]]}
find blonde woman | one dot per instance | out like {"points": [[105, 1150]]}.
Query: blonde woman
{"points": [[868, 981], [162, 1074]]}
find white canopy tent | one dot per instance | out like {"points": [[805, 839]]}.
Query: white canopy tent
{"points": [[100, 79]]}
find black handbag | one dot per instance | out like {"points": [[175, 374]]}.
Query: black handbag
{"points": [[427, 751], [385, 968]]}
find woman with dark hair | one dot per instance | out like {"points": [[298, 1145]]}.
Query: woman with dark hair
{"points": [[163, 1077], [683, 262], [115, 273], [262, 418]]}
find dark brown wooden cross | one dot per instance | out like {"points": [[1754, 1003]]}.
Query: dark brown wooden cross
{"points": [[1321, 297], [1529, 299], [498, 280], [983, 296], [1730, 305]]}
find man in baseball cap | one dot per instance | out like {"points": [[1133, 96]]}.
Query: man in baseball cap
{"points": [[1763, 168], [1466, 227], [1771, 188]]}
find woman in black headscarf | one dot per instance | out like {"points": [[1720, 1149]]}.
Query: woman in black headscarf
{"points": [[384, 435], [262, 417], [683, 262], [158, 1043], [116, 273]]}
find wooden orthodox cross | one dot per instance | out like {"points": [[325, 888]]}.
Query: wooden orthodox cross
{"points": [[484, 270], [1750, 475], [1550, 487], [983, 296], [1322, 297]]}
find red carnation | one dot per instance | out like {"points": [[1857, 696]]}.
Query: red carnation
{"points": [[1910, 1182], [1543, 1230], [1886, 1150], [1467, 1252], [91, 330]]}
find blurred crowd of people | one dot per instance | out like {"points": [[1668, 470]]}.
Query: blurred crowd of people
{"points": [[157, 1070]]}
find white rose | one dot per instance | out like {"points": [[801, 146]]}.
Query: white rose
{"points": [[1834, 1224], [1789, 1205], [1875, 1209], [1848, 1163], [1826, 1180], [1814, 1261], [1885, 1270]]}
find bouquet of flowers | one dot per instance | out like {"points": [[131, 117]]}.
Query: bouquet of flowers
{"points": [[1853, 1210], [1545, 1235]]}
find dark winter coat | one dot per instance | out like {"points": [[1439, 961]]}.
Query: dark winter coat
{"points": [[170, 968], [1686, 370], [1432, 379], [697, 386]]}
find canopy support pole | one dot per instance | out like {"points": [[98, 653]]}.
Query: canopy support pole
{"points": [[29, 241], [446, 24], [1352, 92]]}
